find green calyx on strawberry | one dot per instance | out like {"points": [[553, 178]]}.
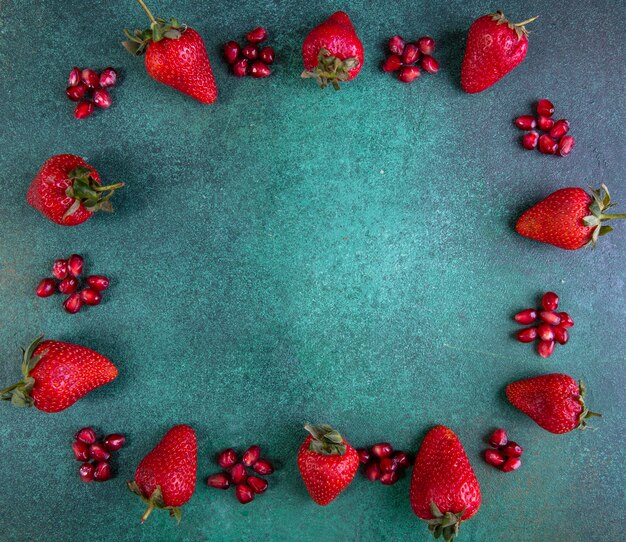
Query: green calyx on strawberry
{"points": [[154, 501], [586, 413], [85, 190], [159, 29], [601, 202], [520, 28], [326, 440], [19, 393], [444, 525], [330, 69]]}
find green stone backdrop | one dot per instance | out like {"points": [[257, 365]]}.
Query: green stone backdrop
{"points": [[289, 255]]}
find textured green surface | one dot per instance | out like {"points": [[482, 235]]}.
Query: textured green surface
{"points": [[290, 255]]}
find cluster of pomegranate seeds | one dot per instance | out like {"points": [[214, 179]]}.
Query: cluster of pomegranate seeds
{"points": [[236, 473], [87, 87], [382, 463], [95, 454], [552, 326], [409, 59], [554, 140], [252, 59], [67, 273], [504, 454]]}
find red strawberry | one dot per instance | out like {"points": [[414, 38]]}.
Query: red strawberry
{"points": [[332, 52], [555, 402], [67, 190], [494, 47], [175, 56], [444, 488], [568, 218], [166, 477], [327, 463], [57, 374]]}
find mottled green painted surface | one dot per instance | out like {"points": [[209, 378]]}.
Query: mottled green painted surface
{"points": [[290, 255]]}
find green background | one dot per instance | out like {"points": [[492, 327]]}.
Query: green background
{"points": [[290, 255]]}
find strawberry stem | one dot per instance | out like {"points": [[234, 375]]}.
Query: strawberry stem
{"points": [[150, 504], [612, 217], [148, 12], [527, 21], [110, 187], [10, 388]]}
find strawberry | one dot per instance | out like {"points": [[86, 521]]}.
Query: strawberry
{"points": [[57, 374], [166, 477], [175, 56], [332, 52], [494, 47], [327, 463], [444, 488], [555, 402], [67, 190], [569, 218]]}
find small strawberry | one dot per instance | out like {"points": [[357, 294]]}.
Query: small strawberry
{"points": [[569, 218], [57, 374], [67, 190], [327, 463], [494, 47], [166, 477], [444, 488], [175, 56], [332, 52], [554, 401]]}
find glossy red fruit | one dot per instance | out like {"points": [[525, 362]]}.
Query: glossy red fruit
{"points": [[566, 145], [494, 458], [372, 471], [411, 54], [86, 472], [382, 449], [545, 108], [75, 264], [74, 77], [566, 320], [525, 317], [76, 92], [114, 442], [231, 51], [550, 301], [240, 68], [547, 145], [68, 285], [89, 77], [545, 348], [227, 458], [267, 55], [387, 465], [251, 52], [408, 74], [511, 464], [389, 478], [102, 98], [98, 452], [512, 449], [530, 140], [392, 63], [251, 455], [108, 78], [545, 332], [499, 438], [81, 450], [220, 480], [561, 335], [560, 128], [396, 45], [244, 493], [86, 435], [259, 70], [364, 455], [102, 471], [263, 466], [426, 45], [59, 269], [429, 64], [550, 317], [46, 287], [73, 303], [526, 122], [527, 335], [83, 110], [238, 474], [258, 485], [91, 296], [257, 35], [98, 282], [402, 460], [545, 123]]}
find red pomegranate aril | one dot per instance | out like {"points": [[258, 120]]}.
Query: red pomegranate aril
{"points": [[545, 348], [526, 122], [46, 288], [547, 145], [258, 485], [545, 332], [83, 110], [244, 494], [511, 464], [74, 77], [240, 68], [259, 70], [257, 35], [251, 52], [102, 472], [227, 458], [81, 451], [545, 108], [372, 471], [550, 301], [76, 92], [550, 317], [426, 45], [525, 317], [396, 45], [560, 128], [263, 466], [527, 335], [75, 265], [392, 63], [86, 472], [566, 145], [73, 303], [382, 449], [499, 438], [566, 320], [220, 480], [402, 460], [530, 140], [364, 455], [91, 296], [545, 123], [251, 455], [267, 55], [102, 98], [86, 435], [387, 464], [238, 474], [389, 478], [59, 269], [98, 282], [231, 51], [512, 449], [98, 452], [408, 74], [90, 77], [411, 54], [561, 335], [494, 458], [68, 285], [429, 64], [114, 442], [108, 78]]}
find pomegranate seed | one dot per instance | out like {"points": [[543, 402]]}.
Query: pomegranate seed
{"points": [[251, 52], [566, 145], [382, 449], [526, 122], [411, 54], [545, 108], [545, 123], [258, 485], [547, 145], [74, 77], [257, 35], [388, 465], [231, 51], [86, 435], [219, 481], [102, 472], [259, 70], [561, 335], [494, 458], [75, 265], [408, 74], [372, 471], [364, 455], [108, 78], [527, 335], [560, 128], [396, 45], [73, 303], [402, 460], [46, 288], [511, 464], [83, 110], [426, 45], [68, 285], [545, 332], [91, 296], [498, 438], [227, 458], [251, 455], [86, 472], [267, 55], [98, 452], [240, 68], [429, 64], [238, 474], [263, 466], [59, 269], [76, 92], [81, 451], [389, 478], [550, 301], [525, 317], [545, 348], [512, 449], [392, 64], [550, 317], [530, 140], [244, 494], [102, 98], [98, 282], [114, 442], [566, 320], [90, 77]]}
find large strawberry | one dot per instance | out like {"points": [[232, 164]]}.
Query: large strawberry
{"points": [[444, 488], [555, 402], [166, 477], [332, 52], [68, 191], [569, 218], [57, 374], [494, 47], [175, 56], [327, 463]]}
